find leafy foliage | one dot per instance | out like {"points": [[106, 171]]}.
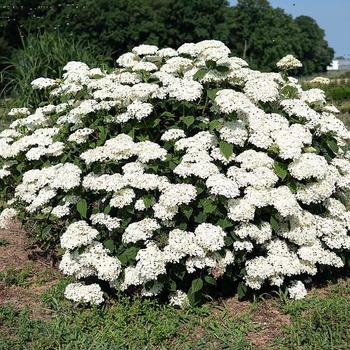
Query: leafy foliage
{"points": [[42, 55], [248, 28]]}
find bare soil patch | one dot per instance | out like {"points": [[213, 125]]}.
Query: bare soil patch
{"points": [[17, 254], [269, 322]]}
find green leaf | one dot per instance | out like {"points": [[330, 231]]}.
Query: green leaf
{"points": [[200, 73], [293, 186], [20, 167], [241, 290], [196, 285], [215, 124], [102, 135], [208, 206], [274, 223], [82, 208], [210, 64], [280, 169], [182, 226], [172, 286], [210, 280], [226, 149], [187, 212], [188, 120], [172, 165], [228, 241], [148, 200], [109, 244], [200, 189], [332, 145], [107, 209], [128, 255], [311, 149], [224, 223], [212, 93], [155, 122], [180, 273], [200, 218], [131, 133], [222, 69], [193, 298], [167, 114]]}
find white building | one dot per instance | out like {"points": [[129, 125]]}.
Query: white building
{"points": [[340, 64]]}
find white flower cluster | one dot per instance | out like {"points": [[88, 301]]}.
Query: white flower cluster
{"points": [[288, 62], [297, 290], [6, 217], [106, 220], [320, 81], [94, 260], [81, 135], [77, 234], [40, 186], [179, 299], [81, 293], [179, 176]]}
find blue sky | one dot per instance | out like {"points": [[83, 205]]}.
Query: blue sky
{"points": [[331, 15]]}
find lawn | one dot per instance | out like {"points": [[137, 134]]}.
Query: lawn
{"points": [[319, 322], [34, 315]]}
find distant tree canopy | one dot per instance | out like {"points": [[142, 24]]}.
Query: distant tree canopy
{"points": [[253, 29]]}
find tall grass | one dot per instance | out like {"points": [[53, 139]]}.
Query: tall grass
{"points": [[43, 55]]}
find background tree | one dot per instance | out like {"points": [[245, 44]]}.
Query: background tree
{"points": [[253, 29], [262, 34], [316, 54]]}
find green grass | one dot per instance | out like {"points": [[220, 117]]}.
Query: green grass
{"points": [[320, 322], [12, 276], [123, 324], [43, 55]]}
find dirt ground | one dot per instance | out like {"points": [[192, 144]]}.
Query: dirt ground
{"points": [[18, 254]]}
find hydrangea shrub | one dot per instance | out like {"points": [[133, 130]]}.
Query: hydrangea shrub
{"points": [[178, 170]]}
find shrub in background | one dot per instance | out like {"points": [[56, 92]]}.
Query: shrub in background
{"points": [[338, 93], [181, 173], [43, 55]]}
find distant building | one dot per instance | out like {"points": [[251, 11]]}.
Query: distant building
{"points": [[340, 64]]}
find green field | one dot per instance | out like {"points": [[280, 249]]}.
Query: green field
{"points": [[321, 321]]}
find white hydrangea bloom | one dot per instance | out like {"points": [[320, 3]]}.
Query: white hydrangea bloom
{"points": [[234, 132], [141, 230], [19, 112], [106, 220], [173, 134], [288, 62], [78, 234], [320, 81], [81, 293], [209, 237], [179, 299], [6, 217], [43, 83], [308, 165], [145, 50], [297, 290], [219, 184], [80, 136]]}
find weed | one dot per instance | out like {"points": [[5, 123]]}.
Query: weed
{"points": [[12, 276]]}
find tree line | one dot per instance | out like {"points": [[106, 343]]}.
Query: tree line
{"points": [[252, 29]]}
